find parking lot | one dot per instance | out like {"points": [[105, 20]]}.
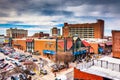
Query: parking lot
{"points": [[17, 62]]}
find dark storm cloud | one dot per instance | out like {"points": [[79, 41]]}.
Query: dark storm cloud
{"points": [[54, 7], [42, 7], [91, 2]]}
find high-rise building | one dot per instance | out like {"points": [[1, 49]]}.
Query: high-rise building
{"points": [[55, 31], [116, 43], [16, 33], [86, 30]]}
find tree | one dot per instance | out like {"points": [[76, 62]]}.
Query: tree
{"points": [[65, 57]]}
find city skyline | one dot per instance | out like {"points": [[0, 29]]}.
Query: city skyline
{"points": [[42, 15]]}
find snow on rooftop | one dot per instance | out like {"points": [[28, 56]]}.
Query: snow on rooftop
{"points": [[112, 72], [110, 59], [94, 40], [103, 72]]}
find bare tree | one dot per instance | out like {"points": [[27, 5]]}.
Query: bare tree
{"points": [[65, 57]]}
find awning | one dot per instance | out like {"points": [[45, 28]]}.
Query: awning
{"points": [[80, 52], [48, 52], [108, 43], [86, 44], [29, 40], [101, 44], [100, 50]]}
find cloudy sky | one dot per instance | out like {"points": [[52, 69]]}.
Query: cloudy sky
{"points": [[42, 15]]}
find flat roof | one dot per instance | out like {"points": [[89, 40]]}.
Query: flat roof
{"points": [[110, 59], [105, 72]]}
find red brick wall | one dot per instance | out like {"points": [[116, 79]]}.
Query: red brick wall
{"points": [[98, 28], [85, 76], [116, 43]]}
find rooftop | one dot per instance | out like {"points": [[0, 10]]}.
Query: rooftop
{"points": [[106, 67]]}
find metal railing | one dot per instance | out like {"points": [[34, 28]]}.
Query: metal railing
{"points": [[99, 63], [84, 65], [107, 65]]}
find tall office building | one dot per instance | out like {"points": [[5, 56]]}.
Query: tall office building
{"points": [[16, 33], [55, 31], [86, 30]]}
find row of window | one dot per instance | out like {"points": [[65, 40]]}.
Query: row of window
{"points": [[81, 28], [82, 32]]}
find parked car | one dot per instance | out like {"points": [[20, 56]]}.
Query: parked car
{"points": [[3, 66], [43, 71], [6, 52], [57, 67], [29, 56], [8, 67], [31, 73], [8, 59], [18, 64], [2, 63], [34, 60], [61, 67], [15, 78], [22, 77], [1, 60], [54, 68], [1, 50], [21, 59]]}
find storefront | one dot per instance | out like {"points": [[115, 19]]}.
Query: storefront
{"points": [[49, 53], [30, 45]]}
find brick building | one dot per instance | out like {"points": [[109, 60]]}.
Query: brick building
{"points": [[40, 34], [55, 31], [16, 33], [86, 30], [116, 43]]}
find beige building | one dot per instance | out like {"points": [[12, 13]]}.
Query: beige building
{"points": [[16, 33]]}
